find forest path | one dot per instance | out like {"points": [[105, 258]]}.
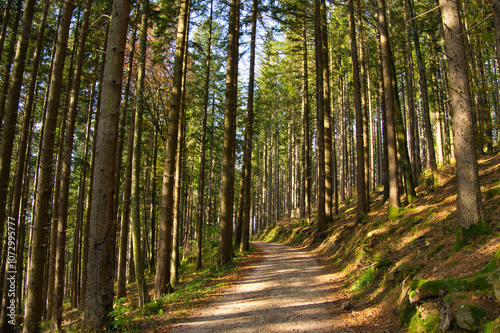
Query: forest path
{"points": [[288, 291]]}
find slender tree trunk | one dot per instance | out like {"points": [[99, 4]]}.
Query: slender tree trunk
{"points": [[162, 278], [410, 89], [99, 288], [177, 220], [121, 280], [360, 174], [422, 81], [306, 145], [320, 119], [201, 171], [22, 166], [66, 171], [34, 298], [9, 62], [142, 287], [495, 5], [5, 25], [247, 155], [228, 157], [469, 204], [394, 200], [8, 131], [327, 112]]}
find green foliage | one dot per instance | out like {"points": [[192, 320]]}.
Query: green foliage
{"points": [[492, 326], [364, 279], [121, 320]]}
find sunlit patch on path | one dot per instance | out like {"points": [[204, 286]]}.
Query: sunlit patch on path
{"points": [[286, 292]]}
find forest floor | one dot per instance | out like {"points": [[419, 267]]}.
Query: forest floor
{"points": [[355, 277]]}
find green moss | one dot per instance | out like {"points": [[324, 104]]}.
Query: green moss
{"points": [[393, 213], [478, 313], [480, 283], [465, 236], [493, 264], [430, 324], [492, 193], [409, 311], [492, 327]]}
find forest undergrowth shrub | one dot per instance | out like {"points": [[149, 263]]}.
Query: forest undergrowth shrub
{"points": [[121, 319]]}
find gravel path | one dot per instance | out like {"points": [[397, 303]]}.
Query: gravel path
{"points": [[286, 292]]}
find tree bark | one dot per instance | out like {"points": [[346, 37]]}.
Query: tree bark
{"points": [[228, 157], [327, 112], [469, 204], [360, 174], [41, 216], [121, 280], [247, 154], [422, 81], [201, 171], [8, 129], [306, 145], [66, 170], [102, 232], [394, 200], [320, 119], [162, 278], [142, 288]]}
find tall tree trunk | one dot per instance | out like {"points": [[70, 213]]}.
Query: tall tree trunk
{"points": [[5, 25], [9, 62], [11, 110], [469, 204], [177, 218], [320, 119], [360, 149], [327, 112], [228, 157], [201, 171], [306, 145], [162, 278], [394, 200], [422, 81], [34, 298], [247, 154], [365, 105], [410, 90], [22, 166], [142, 288], [121, 280], [102, 233], [495, 6], [66, 170]]}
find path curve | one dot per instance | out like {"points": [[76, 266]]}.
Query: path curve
{"points": [[286, 292]]}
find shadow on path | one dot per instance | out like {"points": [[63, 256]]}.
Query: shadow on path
{"points": [[286, 292]]}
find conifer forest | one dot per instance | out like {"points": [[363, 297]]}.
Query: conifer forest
{"points": [[139, 137]]}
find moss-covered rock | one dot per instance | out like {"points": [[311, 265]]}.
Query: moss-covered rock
{"points": [[423, 289], [470, 317], [426, 319]]}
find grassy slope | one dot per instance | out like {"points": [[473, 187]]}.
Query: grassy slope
{"points": [[383, 262]]}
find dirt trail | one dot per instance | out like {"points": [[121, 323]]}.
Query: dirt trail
{"points": [[286, 292]]}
